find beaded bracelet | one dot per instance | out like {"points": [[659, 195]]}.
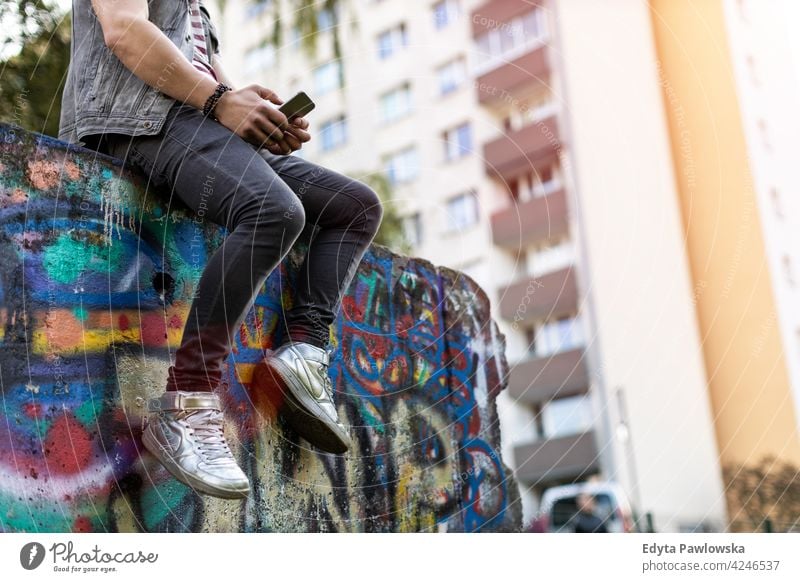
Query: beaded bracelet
{"points": [[211, 102]]}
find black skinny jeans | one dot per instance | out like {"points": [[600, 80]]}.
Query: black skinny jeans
{"points": [[264, 200]]}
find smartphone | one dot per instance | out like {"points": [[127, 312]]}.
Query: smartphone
{"points": [[297, 106]]}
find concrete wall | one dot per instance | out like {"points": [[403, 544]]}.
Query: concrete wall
{"points": [[96, 275]]}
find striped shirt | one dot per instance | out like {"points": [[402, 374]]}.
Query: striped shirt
{"points": [[200, 58]]}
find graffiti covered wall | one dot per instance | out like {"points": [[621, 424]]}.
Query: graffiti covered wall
{"points": [[96, 276]]}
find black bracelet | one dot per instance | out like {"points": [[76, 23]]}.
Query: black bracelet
{"points": [[211, 102]]}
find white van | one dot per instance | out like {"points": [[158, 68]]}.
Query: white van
{"points": [[559, 505]]}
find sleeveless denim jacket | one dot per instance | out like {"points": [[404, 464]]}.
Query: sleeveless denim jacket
{"points": [[101, 95]]}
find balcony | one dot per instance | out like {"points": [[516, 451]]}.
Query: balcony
{"points": [[558, 458], [490, 15], [514, 76], [517, 152], [539, 379], [537, 219], [531, 299]]}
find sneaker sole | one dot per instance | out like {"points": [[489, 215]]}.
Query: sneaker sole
{"points": [[307, 418], [165, 458]]}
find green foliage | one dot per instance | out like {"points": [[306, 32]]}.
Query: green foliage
{"points": [[33, 80], [391, 233], [304, 17], [25, 19]]}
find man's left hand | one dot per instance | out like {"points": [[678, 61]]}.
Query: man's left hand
{"points": [[295, 136]]}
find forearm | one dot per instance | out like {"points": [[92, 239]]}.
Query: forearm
{"points": [[147, 52]]}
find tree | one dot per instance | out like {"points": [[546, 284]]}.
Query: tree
{"points": [[763, 495], [309, 18], [24, 19], [33, 79], [391, 232]]}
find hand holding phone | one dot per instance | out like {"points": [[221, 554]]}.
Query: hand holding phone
{"points": [[295, 135], [298, 106]]}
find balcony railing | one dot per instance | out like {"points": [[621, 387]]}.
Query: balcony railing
{"points": [[546, 297], [558, 458], [498, 79], [535, 380], [525, 223], [517, 152]]}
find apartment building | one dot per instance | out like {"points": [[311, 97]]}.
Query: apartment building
{"points": [[765, 54], [528, 146], [731, 92]]}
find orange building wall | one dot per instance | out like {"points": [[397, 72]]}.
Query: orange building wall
{"points": [[747, 375]]}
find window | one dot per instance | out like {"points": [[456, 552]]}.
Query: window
{"points": [[474, 269], [451, 75], [744, 10], [531, 110], [545, 182], [462, 211], [402, 166], [295, 36], [551, 258], [776, 202], [567, 416], [327, 77], [457, 142], [392, 40], [396, 103], [258, 58], [509, 40], [788, 270], [412, 227], [797, 335], [325, 19], [530, 337], [541, 182], [537, 108], [763, 129], [256, 7], [445, 12], [752, 67], [506, 38], [532, 24], [333, 133], [566, 333]]}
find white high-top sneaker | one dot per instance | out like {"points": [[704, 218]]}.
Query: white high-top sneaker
{"points": [[302, 370], [185, 433]]}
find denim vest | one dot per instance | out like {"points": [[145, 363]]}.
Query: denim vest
{"points": [[101, 95]]}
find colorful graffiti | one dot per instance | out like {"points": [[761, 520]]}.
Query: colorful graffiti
{"points": [[96, 275]]}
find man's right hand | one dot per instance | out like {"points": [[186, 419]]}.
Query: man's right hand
{"points": [[150, 55], [247, 114]]}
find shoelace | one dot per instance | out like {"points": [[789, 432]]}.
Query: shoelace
{"points": [[323, 371], [207, 428], [326, 380]]}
